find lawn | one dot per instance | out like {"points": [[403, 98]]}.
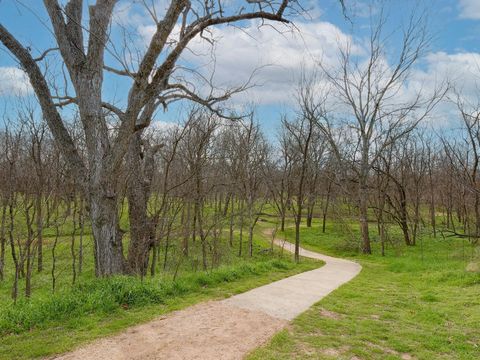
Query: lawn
{"points": [[414, 303]]}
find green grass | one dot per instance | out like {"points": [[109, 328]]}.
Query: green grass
{"points": [[51, 323], [416, 302]]}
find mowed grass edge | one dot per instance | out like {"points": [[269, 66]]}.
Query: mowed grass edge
{"points": [[415, 303]]}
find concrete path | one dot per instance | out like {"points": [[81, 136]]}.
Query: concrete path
{"points": [[226, 329], [287, 298]]}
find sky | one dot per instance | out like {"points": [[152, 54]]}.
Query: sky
{"points": [[274, 55]]}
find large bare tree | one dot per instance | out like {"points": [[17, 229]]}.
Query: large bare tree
{"points": [[83, 45]]}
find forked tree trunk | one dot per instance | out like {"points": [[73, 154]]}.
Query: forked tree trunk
{"points": [[103, 173]]}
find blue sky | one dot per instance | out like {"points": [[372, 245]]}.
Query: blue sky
{"points": [[455, 25]]}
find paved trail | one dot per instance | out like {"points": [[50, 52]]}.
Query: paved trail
{"points": [[226, 329]]}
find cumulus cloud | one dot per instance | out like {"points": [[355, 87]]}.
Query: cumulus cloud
{"points": [[460, 70], [14, 81], [469, 9], [462, 73], [279, 54], [274, 55]]}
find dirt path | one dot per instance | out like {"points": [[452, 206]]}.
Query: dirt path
{"points": [[226, 329]]}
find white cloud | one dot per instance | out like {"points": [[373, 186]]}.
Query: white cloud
{"points": [[470, 9], [278, 53], [278, 57], [460, 70], [14, 81], [273, 52], [162, 126]]}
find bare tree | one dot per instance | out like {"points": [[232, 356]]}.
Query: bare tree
{"points": [[152, 84], [376, 116], [463, 154], [301, 133]]}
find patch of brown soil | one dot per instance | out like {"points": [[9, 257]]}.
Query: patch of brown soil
{"points": [[211, 330], [330, 314], [331, 352], [473, 267], [403, 356], [335, 352]]}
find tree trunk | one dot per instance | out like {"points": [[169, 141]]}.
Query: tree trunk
{"points": [[310, 207], [298, 220], [240, 239], [142, 226], [80, 240], [3, 241], [432, 211], [28, 250], [187, 225], [39, 224], [141, 231], [325, 208], [251, 226], [109, 259], [363, 218], [232, 219], [404, 215], [14, 253]]}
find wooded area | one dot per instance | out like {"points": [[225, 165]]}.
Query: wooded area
{"points": [[88, 184]]}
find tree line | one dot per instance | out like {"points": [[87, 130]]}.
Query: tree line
{"points": [[353, 147], [208, 181]]}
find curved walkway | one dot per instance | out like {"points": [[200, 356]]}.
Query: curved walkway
{"points": [[288, 298], [226, 329]]}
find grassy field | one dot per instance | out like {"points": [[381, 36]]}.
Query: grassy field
{"points": [[414, 303], [51, 323]]}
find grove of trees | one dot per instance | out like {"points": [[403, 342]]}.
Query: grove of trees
{"points": [[104, 177]]}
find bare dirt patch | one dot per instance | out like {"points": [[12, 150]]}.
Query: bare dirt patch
{"points": [[473, 267], [211, 330], [335, 352], [331, 352], [330, 314], [403, 356]]}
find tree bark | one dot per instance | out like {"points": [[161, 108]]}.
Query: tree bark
{"points": [[138, 192], [109, 259], [363, 219], [3, 241]]}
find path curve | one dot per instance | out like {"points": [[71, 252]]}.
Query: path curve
{"points": [[225, 329], [288, 298]]}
